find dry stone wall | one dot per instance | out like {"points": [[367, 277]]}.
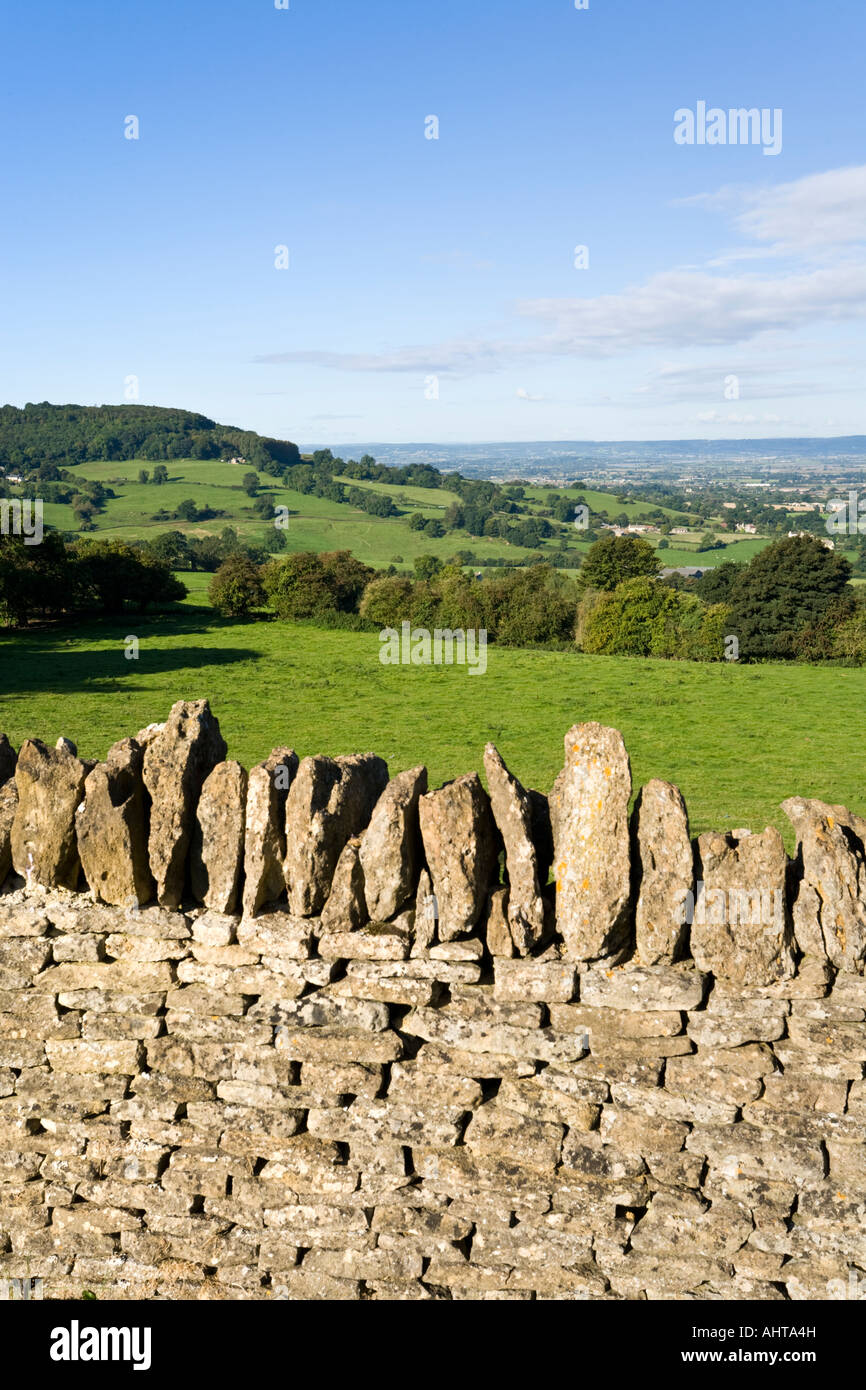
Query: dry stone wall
{"points": [[319, 1033]]}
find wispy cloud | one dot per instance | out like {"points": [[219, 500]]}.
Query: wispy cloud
{"points": [[819, 213], [818, 221]]}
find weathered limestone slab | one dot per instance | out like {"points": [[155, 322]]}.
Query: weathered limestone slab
{"points": [[636, 1132], [278, 934], [740, 930], [803, 1093], [480, 1002], [385, 943], [664, 863], [644, 988], [328, 1044], [733, 1076], [426, 916], [589, 816], [817, 1060], [265, 839], [529, 1096], [513, 812], [686, 1225], [111, 828], [473, 1035], [829, 910], [466, 949], [217, 848], [748, 1151], [8, 807], [496, 927], [695, 1108], [459, 842], [346, 908], [494, 1129], [390, 851], [550, 981], [386, 1120], [176, 763], [50, 784], [416, 969], [330, 800]]}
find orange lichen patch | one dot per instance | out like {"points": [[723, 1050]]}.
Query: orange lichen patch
{"points": [[840, 1197], [830, 822], [585, 885], [607, 772]]}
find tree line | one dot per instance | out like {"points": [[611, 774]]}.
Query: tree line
{"points": [[792, 601], [55, 580]]}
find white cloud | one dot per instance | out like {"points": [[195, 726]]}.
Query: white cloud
{"points": [[772, 372], [818, 213], [820, 219], [678, 308]]}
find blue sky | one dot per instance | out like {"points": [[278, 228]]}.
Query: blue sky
{"points": [[726, 289]]}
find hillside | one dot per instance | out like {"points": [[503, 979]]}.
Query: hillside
{"points": [[135, 472], [66, 435]]}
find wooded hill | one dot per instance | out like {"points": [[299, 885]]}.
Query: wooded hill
{"points": [[66, 435]]}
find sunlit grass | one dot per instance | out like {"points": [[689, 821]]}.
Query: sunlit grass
{"points": [[736, 739]]}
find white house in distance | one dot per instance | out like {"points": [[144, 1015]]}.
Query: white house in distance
{"points": [[825, 540], [634, 529]]}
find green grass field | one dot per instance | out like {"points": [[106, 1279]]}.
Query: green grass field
{"points": [[736, 739], [314, 524], [318, 524]]}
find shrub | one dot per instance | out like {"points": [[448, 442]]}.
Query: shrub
{"points": [[614, 559], [643, 617], [236, 587]]}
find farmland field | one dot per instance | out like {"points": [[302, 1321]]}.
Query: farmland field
{"points": [[736, 739], [315, 523]]}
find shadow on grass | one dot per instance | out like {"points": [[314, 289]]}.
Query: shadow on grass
{"points": [[56, 672], [58, 659]]}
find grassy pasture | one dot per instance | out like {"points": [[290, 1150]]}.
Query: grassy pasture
{"points": [[737, 739]]}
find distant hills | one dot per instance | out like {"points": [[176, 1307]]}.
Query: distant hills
{"points": [[66, 435], [561, 459]]}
